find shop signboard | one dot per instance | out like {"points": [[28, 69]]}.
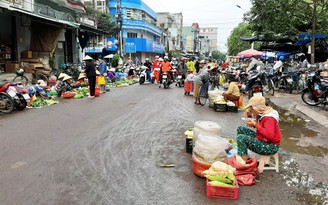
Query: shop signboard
{"points": [[130, 47]]}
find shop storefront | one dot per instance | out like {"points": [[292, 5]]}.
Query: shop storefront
{"points": [[6, 40]]}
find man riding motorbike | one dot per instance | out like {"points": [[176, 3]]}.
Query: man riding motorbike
{"points": [[148, 64], [166, 67]]}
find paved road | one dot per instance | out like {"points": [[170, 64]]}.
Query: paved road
{"points": [[107, 150]]}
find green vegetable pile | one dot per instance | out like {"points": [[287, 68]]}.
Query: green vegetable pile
{"points": [[41, 102]]}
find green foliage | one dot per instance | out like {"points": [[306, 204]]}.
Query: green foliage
{"points": [[218, 55], [286, 17], [116, 58], [235, 45]]}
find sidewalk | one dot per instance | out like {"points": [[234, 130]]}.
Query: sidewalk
{"points": [[294, 101]]}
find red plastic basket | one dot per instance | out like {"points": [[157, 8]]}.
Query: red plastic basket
{"points": [[187, 87], [68, 94], [222, 191], [198, 167]]}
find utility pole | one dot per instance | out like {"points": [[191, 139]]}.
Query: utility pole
{"points": [[119, 23], [314, 19]]}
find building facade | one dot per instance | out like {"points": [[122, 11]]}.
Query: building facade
{"points": [[171, 27], [208, 37], [191, 43], [140, 37], [56, 31]]}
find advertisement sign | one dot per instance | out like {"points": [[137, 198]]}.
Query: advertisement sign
{"points": [[110, 44]]}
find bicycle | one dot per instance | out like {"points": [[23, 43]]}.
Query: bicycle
{"points": [[37, 74], [203, 93]]}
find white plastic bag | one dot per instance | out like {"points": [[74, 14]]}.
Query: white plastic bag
{"points": [[210, 149], [209, 128]]}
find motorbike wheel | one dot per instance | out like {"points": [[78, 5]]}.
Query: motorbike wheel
{"points": [[39, 76], [289, 88], [166, 84], [141, 80], [20, 103], [7, 103], [21, 79], [308, 98], [271, 87]]}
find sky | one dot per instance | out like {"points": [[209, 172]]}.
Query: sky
{"points": [[223, 14]]}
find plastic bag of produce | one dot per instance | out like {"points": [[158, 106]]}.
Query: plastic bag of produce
{"points": [[210, 149], [208, 128]]}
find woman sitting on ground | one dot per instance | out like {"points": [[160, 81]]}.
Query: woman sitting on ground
{"points": [[233, 92], [266, 139]]}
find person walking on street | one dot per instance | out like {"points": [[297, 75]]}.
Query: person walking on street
{"points": [[103, 72], [156, 69], [201, 78], [191, 65], [90, 70]]}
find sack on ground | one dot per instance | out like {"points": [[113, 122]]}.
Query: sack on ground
{"points": [[245, 174]]}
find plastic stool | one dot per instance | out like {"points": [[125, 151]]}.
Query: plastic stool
{"points": [[266, 159], [236, 103]]}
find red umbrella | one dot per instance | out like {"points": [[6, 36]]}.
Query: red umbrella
{"points": [[250, 53]]}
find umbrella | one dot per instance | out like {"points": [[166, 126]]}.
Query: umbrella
{"points": [[250, 53], [109, 56]]}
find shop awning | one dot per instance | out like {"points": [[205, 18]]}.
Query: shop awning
{"points": [[58, 21], [92, 30]]}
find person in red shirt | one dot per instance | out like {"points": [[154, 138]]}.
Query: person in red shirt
{"points": [[224, 65], [156, 68], [266, 139]]}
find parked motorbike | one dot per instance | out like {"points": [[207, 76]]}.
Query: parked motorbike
{"points": [[18, 94], [254, 84], [165, 80], [316, 92], [6, 103], [144, 77]]}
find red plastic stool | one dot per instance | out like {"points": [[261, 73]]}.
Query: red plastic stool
{"points": [[236, 102]]}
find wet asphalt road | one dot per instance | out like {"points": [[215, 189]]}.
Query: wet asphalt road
{"points": [[108, 150]]}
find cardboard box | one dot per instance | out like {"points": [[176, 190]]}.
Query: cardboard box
{"points": [[12, 67], [27, 54]]}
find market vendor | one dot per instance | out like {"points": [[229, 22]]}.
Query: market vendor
{"points": [[233, 93], [38, 89], [111, 75], [266, 139]]}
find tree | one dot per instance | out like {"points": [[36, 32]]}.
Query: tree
{"points": [[235, 45], [218, 55], [283, 17]]}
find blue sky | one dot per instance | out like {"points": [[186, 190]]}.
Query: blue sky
{"points": [[223, 14]]}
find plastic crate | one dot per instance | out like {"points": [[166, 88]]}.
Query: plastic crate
{"points": [[222, 191], [232, 109], [220, 107], [198, 167]]}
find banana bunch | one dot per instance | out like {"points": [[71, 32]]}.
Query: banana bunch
{"points": [[229, 181]]}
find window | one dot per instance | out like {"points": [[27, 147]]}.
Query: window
{"points": [[128, 13], [132, 35]]}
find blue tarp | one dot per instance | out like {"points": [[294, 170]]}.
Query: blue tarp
{"points": [[306, 38]]}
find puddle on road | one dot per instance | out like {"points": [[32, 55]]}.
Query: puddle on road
{"points": [[294, 132], [311, 192], [293, 129]]}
